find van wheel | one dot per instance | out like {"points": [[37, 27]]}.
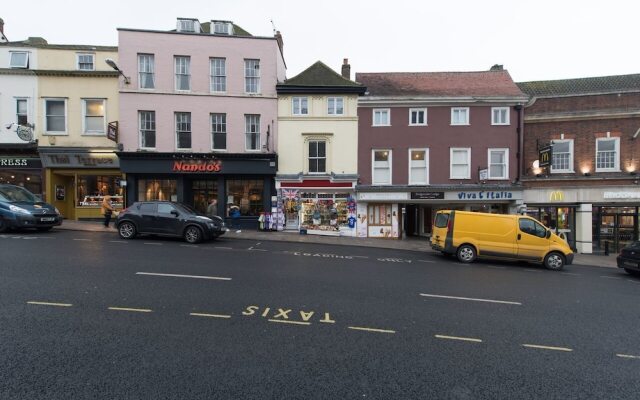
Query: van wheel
{"points": [[554, 261], [193, 234], [632, 272], [466, 253]]}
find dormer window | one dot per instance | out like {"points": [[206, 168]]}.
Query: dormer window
{"points": [[188, 25], [19, 59], [222, 28]]}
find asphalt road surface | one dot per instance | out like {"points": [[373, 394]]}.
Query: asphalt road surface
{"points": [[89, 316]]}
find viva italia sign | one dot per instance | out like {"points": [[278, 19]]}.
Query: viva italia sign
{"points": [[488, 195]]}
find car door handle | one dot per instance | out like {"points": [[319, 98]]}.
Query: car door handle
{"points": [[519, 236]]}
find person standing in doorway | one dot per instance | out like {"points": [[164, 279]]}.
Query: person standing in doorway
{"points": [[212, 208], [107, 210]]}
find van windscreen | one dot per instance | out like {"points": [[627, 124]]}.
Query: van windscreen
{"points": [[441, 220]]}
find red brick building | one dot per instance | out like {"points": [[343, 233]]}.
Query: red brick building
{"points": [[590, 192]]}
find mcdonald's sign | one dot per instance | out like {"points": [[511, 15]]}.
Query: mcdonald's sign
{"points": [[544, 156], [557, 195]]}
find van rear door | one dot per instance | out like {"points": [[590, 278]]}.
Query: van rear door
{"points": [[532, 239], [439, 230]]}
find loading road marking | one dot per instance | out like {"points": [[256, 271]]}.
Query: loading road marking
{"points": [[218, 278], [193, 314], [142, 310], [471, 299], [360, 328], [627, 356], [535, 346], [289, 322], [45, 303], [464, 339]]}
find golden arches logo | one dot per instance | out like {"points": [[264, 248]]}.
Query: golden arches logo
{"points": [[558, 195], [544, 157]]}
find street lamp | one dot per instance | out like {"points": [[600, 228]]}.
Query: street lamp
{"points": [[113, 65]]}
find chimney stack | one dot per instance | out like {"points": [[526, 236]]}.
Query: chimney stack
{"points": [[278, 37], [497, 67], [1, 26], [346, 69]]}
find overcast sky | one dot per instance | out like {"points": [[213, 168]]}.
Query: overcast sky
{"points": [[534, 40]]}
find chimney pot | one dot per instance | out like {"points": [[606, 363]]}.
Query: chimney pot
{"points": [[346, 69]]}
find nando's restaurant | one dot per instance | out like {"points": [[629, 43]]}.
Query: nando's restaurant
{"points": [[243, 181]]}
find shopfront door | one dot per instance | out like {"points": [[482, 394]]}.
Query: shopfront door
{"points": [[203, 192], [615, 228]]}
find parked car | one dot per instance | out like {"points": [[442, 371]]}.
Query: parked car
{"points": [[470, 235], [629, 258], [166, 218], [20, 209]]}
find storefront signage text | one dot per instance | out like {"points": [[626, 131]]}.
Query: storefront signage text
{"points": [[621, 195], [490, 195], [13, 162], [388, 196], [86, 160], [427, 195], [197, 166]]}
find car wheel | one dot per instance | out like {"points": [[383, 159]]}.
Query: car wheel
{"points": [[193, 234], [466, 253], [45, 228], [632, 272], [554, 261], [127, 230]]}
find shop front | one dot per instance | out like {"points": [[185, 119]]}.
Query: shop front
{"points": [[77, 180], [238, 187], [22, 170]]}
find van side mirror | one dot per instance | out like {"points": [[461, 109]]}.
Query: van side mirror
{"points": [[548, 234], [175, 213]]}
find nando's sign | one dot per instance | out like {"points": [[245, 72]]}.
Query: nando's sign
{"points": [[197, 166]]}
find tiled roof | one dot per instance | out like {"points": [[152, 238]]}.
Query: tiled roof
{"points": [[594, 85], [41, 43], [319, 74], [440, 84]]}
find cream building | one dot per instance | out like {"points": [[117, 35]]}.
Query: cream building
{"points": [[317, 147]]}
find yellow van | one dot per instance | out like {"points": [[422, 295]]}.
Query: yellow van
{"points": [[470, 235]]}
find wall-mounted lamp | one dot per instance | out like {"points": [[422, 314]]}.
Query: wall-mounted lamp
{"points": [[113, 65]]}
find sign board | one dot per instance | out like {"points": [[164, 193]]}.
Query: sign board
{"points": [[383, 196], [112, 131], [80, 160], [197, 166], [483, 174], [621, 195], [427, 195], [20, 162], [544, 156], [486, 196]]}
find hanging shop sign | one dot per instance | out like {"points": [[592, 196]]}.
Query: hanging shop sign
{"points": [[197, 166], [427, 195], [544, 156]]}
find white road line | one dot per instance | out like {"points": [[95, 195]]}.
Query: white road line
{"points": [[610, 277], [117, 241], [142, 310], [252, 249], [223, 248], [427, 261], [570, 273], [153, 244], [83, 240], [45, 303], [627, 356], [189, 245], [210, 315], [284, 321], [360, 328], [464, 339], [362, 257], [495, 267], [535, 346], [217, 278], [532, 270], [471, 299]]}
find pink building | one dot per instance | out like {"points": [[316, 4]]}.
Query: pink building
{"points": [[198, 112]]}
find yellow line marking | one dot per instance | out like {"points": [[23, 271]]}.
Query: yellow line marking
{"points": [[466, 339], [209, 315], [130, 309], [535, 346], [282, 321], [44, 303], [359, 328], [627, 356]]}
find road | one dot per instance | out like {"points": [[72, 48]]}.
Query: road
{"points": [[89, 316]]}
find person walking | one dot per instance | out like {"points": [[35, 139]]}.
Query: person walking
{"points": [[107, 210]]}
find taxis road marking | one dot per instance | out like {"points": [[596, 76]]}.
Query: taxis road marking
{"points": [[210, 315], [464, 339], [142, 310], [536, 346], [284, 321], [471, 299], [360, 328], [45, 303], [218, 278]]}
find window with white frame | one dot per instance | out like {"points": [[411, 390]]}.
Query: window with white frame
{"points": [[498, 163], [183, 72], [300, 105], [460, 163], [607, 154], [335, 105], [317, 156], [183, 130], [146, 71], [55, 116], [499, 115], [19, 59], [219, 131], [418, 166], [381, 117], [186, 25], [221, 28], [562, 156], [417, 116], [460, 116], [218, 70], [22, 111], [93, 111], [252, 131], [381, 167], [147, 127], [252, 76], [85, 61]]}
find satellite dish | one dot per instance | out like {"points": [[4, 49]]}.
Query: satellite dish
{"points": [[25, 133]]}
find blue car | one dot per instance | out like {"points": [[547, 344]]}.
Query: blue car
{"points": [[20, 209]]}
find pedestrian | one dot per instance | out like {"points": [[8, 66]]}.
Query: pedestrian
{"points": [[107, 210], [212, 208], [235, 217]]}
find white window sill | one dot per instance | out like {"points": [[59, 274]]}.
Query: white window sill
{"points": [[497, 179], [146, 89], [418, 125], [147, 149], [457, 177], [56, 133], [608, 170], [381, 184], [182, 91], [418, 184], [184, 150], [221, 150], [460, 124], [507, 124], [562, 171], [94, 134], [375, 126], [252, 150]]}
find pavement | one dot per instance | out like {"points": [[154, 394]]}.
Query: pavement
{"points": [[413, 244]]}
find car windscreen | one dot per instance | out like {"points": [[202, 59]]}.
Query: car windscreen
{"points": [[441, 220], [185, 208], [15, 193]]}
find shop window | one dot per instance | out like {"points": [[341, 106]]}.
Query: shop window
{"points": [[381, 167], [94, 116], [157, 189], [146, 71], [460, 163], [498, 163], [92, 189], [246, 194], [55, 115], [418, 166], [562, 158], [21, 111], [607, 154], [147, 129], [183, 130], [219, 131], [317, 156], [380, 214], [30, 180], [325, 212], [204, 191], [252, 131]]}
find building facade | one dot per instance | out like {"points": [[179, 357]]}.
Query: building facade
{"points": [[430, 141], [589, 193], [198, 116], [317, 151]]}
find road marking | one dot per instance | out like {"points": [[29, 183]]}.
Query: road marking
{"points": [[189, 245], [634, 281], [427, 261], [360, 328], [217, 278], [153, 244], [82, 240], [609, 277], [210, 315], [465, 339], [532, 270], [471, 299], [252, 249], [535, 346], [223, 248], [283, 321], [143, 310], [570, 273], [627, 356], [117, 241], [45, 303], [362, 257]]}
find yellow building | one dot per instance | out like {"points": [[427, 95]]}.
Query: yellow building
{"points": [[317, 151]]}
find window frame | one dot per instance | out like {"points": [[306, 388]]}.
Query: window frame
{"points": [[247, 77], [213, 75], [373, 116], [175, 126], [26, 111], [468, 114], [571, 155], [506, 163], [246, 133], [175, 73], [426, 166], [335, 99], [93, 61], [66, 119], [300, 100], [20, 66], [412, 110], [140, 130], [213, 132], [85, 132], [616, 167], [152, 72], [451, 151], [507, 116], [373, 167], [309, 158]]}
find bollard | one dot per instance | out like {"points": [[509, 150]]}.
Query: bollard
{"points": [[606, 248]]}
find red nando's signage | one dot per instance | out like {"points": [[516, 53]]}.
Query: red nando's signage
{"points": [[197, 166]]}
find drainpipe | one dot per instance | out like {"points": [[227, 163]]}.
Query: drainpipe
{"points": [[520, 133]]}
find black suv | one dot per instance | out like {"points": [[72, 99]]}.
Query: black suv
{"points": [[167, 218], [19, 208]]}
